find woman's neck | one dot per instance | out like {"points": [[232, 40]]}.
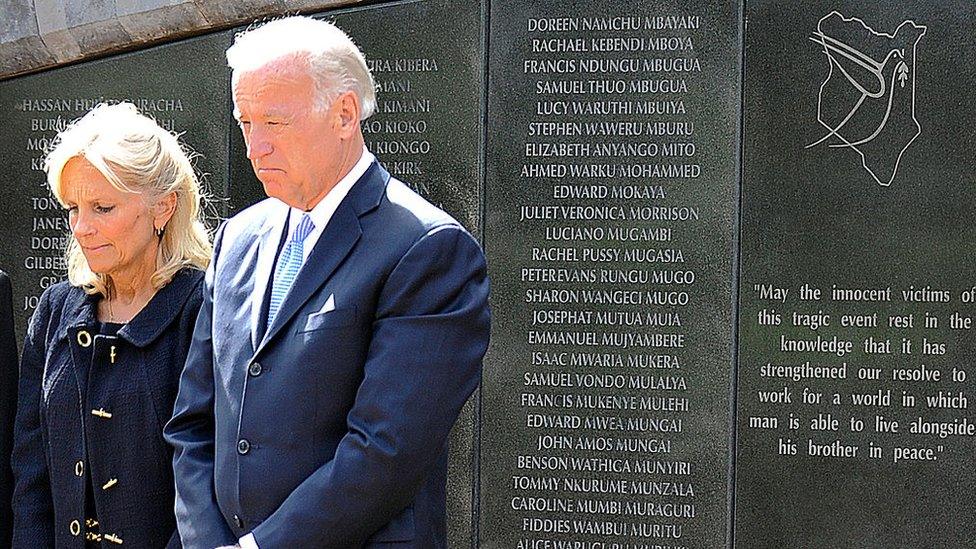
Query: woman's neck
{"points": [[128, 294]]}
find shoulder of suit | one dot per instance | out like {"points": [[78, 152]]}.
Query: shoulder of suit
{"points": [[189, 292], [196, 295], [252, 219], [415, 210], [62, 291], [196, 275], [190, 278]]}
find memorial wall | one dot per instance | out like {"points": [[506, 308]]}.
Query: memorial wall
{"points": [[730, 246], [856, 341], [427, 130], [610, 192]]}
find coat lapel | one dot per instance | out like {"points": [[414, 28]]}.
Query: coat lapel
{"points": [[335, 243], [268, 246], [82, 319], [339, 237], [162, 309]]}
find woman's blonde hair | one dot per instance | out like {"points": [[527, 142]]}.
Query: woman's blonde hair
{"points": [[135, 155]]}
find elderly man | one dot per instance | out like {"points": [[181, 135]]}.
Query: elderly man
{"points": [[343, 327]]}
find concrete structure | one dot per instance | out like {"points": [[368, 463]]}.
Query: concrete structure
{"points": [[40, 34]]}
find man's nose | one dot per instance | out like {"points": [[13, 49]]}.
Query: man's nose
{"points": [[258, 144]]}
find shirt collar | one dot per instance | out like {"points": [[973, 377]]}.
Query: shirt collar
{"points": [[322, 212]]}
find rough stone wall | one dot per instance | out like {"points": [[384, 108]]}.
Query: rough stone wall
{"points": [[39, 34]]}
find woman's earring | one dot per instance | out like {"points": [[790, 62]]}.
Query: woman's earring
{"points": [[159, 231]]}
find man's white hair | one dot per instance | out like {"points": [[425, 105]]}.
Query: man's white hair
{"points": [[336, 64]]}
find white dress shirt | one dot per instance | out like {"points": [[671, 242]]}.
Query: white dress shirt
{"points": [[321, 214]]}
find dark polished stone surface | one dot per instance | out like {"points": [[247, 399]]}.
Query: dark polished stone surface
{"points": [[611, 191], [858, 174]]}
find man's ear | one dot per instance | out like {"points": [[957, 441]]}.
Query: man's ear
{"points": [[163, 210], [348, 111]]}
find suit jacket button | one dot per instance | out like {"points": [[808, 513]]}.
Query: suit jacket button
{"points": [[254, 369], [238, 522], [243, 446]]}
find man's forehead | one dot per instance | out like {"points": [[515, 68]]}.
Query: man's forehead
{"points": [[287, 68], [272, 86]]}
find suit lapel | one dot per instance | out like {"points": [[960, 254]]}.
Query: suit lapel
{"points": [[336, 242], [268, 243], [339, 237]]}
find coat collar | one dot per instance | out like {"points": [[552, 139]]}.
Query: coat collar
{"points": [[150, 322], [368, 192]]}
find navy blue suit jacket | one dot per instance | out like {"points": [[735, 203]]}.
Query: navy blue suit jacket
{"points": [[330, 427]]}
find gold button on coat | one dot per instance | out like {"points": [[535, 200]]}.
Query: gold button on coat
{"points": [[79, 468], [101, 413], [84, 338], [75, 528]]}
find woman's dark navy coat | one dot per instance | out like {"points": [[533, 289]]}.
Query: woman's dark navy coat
{"points": [[131, 385]]}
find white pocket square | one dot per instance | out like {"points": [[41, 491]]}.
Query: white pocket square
{"points": [[329, 305]]}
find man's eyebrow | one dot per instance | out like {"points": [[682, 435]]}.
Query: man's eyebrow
{"points": [[274, 112], [270, 112]]}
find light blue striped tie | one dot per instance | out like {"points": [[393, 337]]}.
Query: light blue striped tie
{"points": [[289, 264]]}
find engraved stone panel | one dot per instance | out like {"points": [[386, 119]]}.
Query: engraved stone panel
{"points": [[611, 193], [856, 295]]}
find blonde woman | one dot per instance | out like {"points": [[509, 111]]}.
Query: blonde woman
{"points": [[105, 349]]}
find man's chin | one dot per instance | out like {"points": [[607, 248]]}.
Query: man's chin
{"points": [[272, 187], [276, 191]]}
